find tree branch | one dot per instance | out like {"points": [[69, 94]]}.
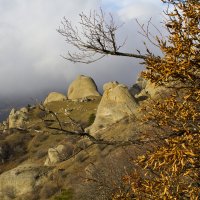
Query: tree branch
{"points": [[94, 39], [82, 133]]}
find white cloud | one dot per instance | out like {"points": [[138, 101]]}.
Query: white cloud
{"points": [[131, 9]]}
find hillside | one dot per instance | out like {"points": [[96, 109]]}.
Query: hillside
{"points": [[27, 148], [138, 143], [79, 146]]}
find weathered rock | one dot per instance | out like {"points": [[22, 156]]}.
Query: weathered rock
{"points": [[144, 89], [24, 110], [58, 154], [81, 87], [110, 85], [17, 119], [138, 87], [115, 104], [135, 90], [54, 96], [22, 179], [141, 82]]}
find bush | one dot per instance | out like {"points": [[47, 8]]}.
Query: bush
{"points": [[5, 151], [40, 154], [18, 143], [48, 190], [42, 137], [103, 179], [65, 195], [10, 192], [81, 157], [91, 119], [41, 114]]}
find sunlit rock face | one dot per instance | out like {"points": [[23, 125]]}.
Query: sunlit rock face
{"points": [[17, 119], [54, 96], [81, 87], [22, 179], [58, 154], [115, 104]]}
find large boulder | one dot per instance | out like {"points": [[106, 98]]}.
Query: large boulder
{"points": [[54, 96], [21, 180], [115, 104], [58, 154], [81, 87], [17, 119]]}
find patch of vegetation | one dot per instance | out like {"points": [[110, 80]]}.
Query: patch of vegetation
{"points": [[48, 190], [91, 119], [40, 154], [66, 194], [10, 192], [42, 137]]}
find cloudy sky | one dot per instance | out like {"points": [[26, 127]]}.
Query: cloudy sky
{"points": [[30, 47]]}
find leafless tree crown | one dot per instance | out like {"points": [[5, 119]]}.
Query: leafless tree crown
{"points": [[94, 39]]}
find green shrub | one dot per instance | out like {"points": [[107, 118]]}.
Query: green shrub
{"points": [[40, 154], [65, 195], [91, 119], [48, 190]]}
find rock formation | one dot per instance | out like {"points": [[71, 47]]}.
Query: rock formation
{"points": [[144, 89], [54, 96], [138, 86], [115, 104], [81, 87], [58, 154], [17, 119], [21, 180]]}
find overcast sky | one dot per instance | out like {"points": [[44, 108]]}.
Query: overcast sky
{"points": [[30, 47]]}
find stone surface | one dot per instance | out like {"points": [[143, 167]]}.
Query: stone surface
{"points": [[54, 96], [58, 154], [17, 119], [22, 179], [135, 90], [81, 87], [115, 104], [144, 89], [110, 85]]}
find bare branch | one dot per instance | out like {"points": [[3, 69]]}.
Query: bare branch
{"points": [[147, 34], [94, 39], [82, 133]]}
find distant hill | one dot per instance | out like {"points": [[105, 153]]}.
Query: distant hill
{"points": [[6, 104]]}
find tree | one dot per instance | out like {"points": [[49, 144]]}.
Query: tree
{"points": [[172, 170]]}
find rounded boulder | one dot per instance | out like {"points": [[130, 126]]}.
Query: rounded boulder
{"points": [[54, 96], [81, 87]]}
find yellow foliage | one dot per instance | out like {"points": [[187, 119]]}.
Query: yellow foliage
{"points": [[172, 171]]}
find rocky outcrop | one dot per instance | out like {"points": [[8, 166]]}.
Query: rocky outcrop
{"points": [[144, 89], [58, 154], [17, 119], [115, 104], [54, 96], [21, 180], [81, 87], [138, 86]]}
